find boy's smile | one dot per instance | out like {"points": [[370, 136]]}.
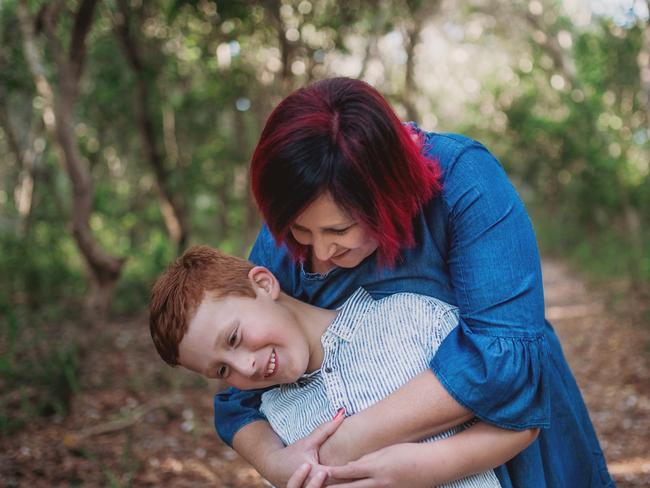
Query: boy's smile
{"points": [[254, 342]]}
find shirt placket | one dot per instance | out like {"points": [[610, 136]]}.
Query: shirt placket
{"points": [[331, 374]]}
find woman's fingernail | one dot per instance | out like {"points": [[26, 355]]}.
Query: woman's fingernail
{"points": [[339, 413]]}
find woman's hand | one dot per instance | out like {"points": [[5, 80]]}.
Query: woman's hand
{"points": [[298, 465], [393, 466]]}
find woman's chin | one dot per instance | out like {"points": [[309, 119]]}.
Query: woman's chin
{"points": [[348, 260]]}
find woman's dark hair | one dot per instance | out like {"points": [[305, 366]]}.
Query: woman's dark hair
{"points": [[340, 136]]}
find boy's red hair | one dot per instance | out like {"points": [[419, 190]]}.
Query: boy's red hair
{"points": [[178, 292]]}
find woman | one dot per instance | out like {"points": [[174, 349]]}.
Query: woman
{"points": [[351, 197]]}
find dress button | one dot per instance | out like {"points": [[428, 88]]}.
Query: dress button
{"points": [[328, 370]]}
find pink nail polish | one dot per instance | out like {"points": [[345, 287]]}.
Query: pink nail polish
{"points": [[339, 413]]}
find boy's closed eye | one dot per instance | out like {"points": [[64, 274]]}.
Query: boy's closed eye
{"points": [[233, 337], [222, 372]]}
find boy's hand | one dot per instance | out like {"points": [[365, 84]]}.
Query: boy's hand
{"points": [[393, 466], [302, 479], [291, 460], [339, 448]]}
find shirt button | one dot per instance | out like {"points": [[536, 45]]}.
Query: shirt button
{"points": [[328, 369]]}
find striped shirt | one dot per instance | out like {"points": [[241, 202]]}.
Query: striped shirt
{"points": [[371, 349]]}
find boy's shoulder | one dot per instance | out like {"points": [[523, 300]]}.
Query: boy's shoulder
{"points": [[391, 316], [415, 301]]}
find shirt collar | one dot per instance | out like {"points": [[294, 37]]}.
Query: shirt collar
{"points": [[350, 315]]}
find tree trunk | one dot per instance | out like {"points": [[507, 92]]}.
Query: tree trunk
{"points": [[644, 69], [411, 34], [103, 269], [171, 206], [26, 159]]}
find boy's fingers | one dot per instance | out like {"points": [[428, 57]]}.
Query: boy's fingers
{"points": [[364, 483], [299, 476], [317, 480]]}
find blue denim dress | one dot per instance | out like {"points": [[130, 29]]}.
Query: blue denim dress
{"points": [[476, 249]]}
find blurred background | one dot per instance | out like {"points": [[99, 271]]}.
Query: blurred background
{"points": [[126, 128]]}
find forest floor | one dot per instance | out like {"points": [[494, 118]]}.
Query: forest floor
{"points": [[136, 422]]}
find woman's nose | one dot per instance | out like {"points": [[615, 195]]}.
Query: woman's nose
{"points": [[323, 249]]}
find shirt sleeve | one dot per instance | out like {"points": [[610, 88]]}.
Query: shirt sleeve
{"points": [[233, 408], [494, 362]]}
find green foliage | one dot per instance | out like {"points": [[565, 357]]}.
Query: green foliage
{"points": [[603, 255], [42, 374], [579, 150], [148, 261]]}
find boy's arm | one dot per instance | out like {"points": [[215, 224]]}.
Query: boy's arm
{"points": [[257, 443], [477, 449], [261, 446]]}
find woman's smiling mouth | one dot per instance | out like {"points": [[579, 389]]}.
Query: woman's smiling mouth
{"points": [[271, 365]]}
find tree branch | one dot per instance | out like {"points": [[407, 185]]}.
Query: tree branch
{"points": [[47, 20], [83, 21], [561, 61], [171, 207], [72, 440]]}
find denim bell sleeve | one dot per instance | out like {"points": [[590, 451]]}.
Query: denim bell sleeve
{"points": [[233, 408], [494, 362]]}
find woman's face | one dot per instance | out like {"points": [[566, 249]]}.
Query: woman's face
{"points": [[335, 238]]}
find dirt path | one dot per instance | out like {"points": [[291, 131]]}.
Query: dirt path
{"points": [[138, 423], [606, 339]]}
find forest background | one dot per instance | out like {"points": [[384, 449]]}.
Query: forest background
{"points": [[126, 128]]}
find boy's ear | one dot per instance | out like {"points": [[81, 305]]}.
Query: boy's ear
{"points": [[264, 281]]}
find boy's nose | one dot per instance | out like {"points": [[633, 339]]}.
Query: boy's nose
{"points": [[247, 365]]}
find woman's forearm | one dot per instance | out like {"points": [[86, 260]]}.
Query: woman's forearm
{"points": [[480, 448], [475, 450], [419, 409]]}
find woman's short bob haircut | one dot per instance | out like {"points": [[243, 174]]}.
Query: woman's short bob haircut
{"points": [[340, 136]]}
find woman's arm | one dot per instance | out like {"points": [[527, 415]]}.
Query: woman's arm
{"points": [[419, 409], [475, 450]]}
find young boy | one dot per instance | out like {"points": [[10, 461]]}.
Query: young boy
{"points": [[224, 318]]}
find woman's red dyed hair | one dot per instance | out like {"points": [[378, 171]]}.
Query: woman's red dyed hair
{"points": [[340, 136]]}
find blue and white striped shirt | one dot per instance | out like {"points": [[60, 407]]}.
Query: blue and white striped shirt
{"points": [[371, 349]]}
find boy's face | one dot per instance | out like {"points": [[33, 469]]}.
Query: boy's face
{"points": [[247, 342]]}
